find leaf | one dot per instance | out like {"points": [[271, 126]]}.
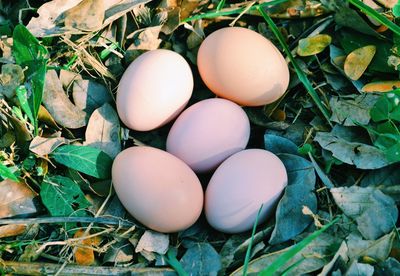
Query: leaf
{"points": [[29, 53], [290, 220], [16, 198], [396, 9], [22, 95], [310, 250], [58, 104], [63, 197], [387, 107], [389, 267], [381, 86], [103, 130], [11, 77], [313, 45], [278, 144], [353, 111], [374, 212], [349, 151], [84, 254], [378, 249], [120, 252], [12, 230], [43, 146], [6, 173], [85, 159], [360, 269], [153, 242], [201, 259], [89, 95], [357, 61], [88, 15]]}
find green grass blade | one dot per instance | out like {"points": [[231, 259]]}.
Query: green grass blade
{"points": [[248, 251], [6, 173], [288, 255], [376, 15], [174, 263], [303, 78], [226, 12]]}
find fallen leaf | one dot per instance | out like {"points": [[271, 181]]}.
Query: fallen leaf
{"points": [[7, 139], [43, 146], [290, 220], [357, 268], [278, 144], [388, 3], [201, 259], [16, 198], [12, 230], [102, 131], [67, 78], [374, 212], [188, 6], [45, 117], [84, 254], [144, 40], [381, 86], [89, 95], [11, 77], [389, 267], [153, 242], [313, 45], [353, 110], [378, 249], [121, 252], [59, 106], [357, 61], [49, 14], [88, 15]]}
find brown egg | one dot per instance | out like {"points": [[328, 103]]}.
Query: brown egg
{"points": [[154, 89], [243, 66], [157, 188], [240, 185], [208, 132]]}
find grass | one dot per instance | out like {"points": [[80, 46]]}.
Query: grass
{"points": [[248, 251], [288, 255]]}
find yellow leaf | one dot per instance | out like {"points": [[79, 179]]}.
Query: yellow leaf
{"points": [[313, 45], [12, 230], [84, 254], [357, 61], [381, 86]]}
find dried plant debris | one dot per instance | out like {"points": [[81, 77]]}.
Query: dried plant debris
{"points": [[336, 130]]}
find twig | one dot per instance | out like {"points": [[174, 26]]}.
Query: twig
{"points": [[51, 220], [23, 268]]}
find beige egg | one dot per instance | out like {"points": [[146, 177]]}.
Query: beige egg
{"points": [[154, 89], [157, 189], [243, 66], [238, 188], [208, 132]]}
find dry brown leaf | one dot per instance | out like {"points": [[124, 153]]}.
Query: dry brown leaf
{"points": [[45, 117], [84, 254], [12, 230], [89, 95], [357, 61], [88, 15], [388, 3], [381, 86], [16, 198], [43, 146], [58, 104], [11, 77], [188, 6], [67, 78]]}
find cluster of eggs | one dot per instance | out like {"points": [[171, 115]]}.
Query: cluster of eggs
{"points": [[160, 188]]}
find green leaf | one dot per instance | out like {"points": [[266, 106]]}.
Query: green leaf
{"points": [[22, 95], [396, 10], [387, 107], [85, 159], [278, 144], [29, 53], [63, 197], [313, 45], [374, 212], [6, 173]]}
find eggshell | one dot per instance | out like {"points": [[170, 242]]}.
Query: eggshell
{"points": [[238, 188], [154, 89], [208, 132], [243, 66], [157, 188]]}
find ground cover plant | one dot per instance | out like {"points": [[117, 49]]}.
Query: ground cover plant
{"points": [[336, 130]]}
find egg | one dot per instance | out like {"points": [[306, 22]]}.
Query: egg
{"points": [[154, 89], [243, 66], [238, 188], [208, 132], [157, 188]]}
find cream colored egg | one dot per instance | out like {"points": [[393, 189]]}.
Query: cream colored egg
{"points": [[208, 132], [243, 66], [154, 89], [238, 188], [157, 189]]}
